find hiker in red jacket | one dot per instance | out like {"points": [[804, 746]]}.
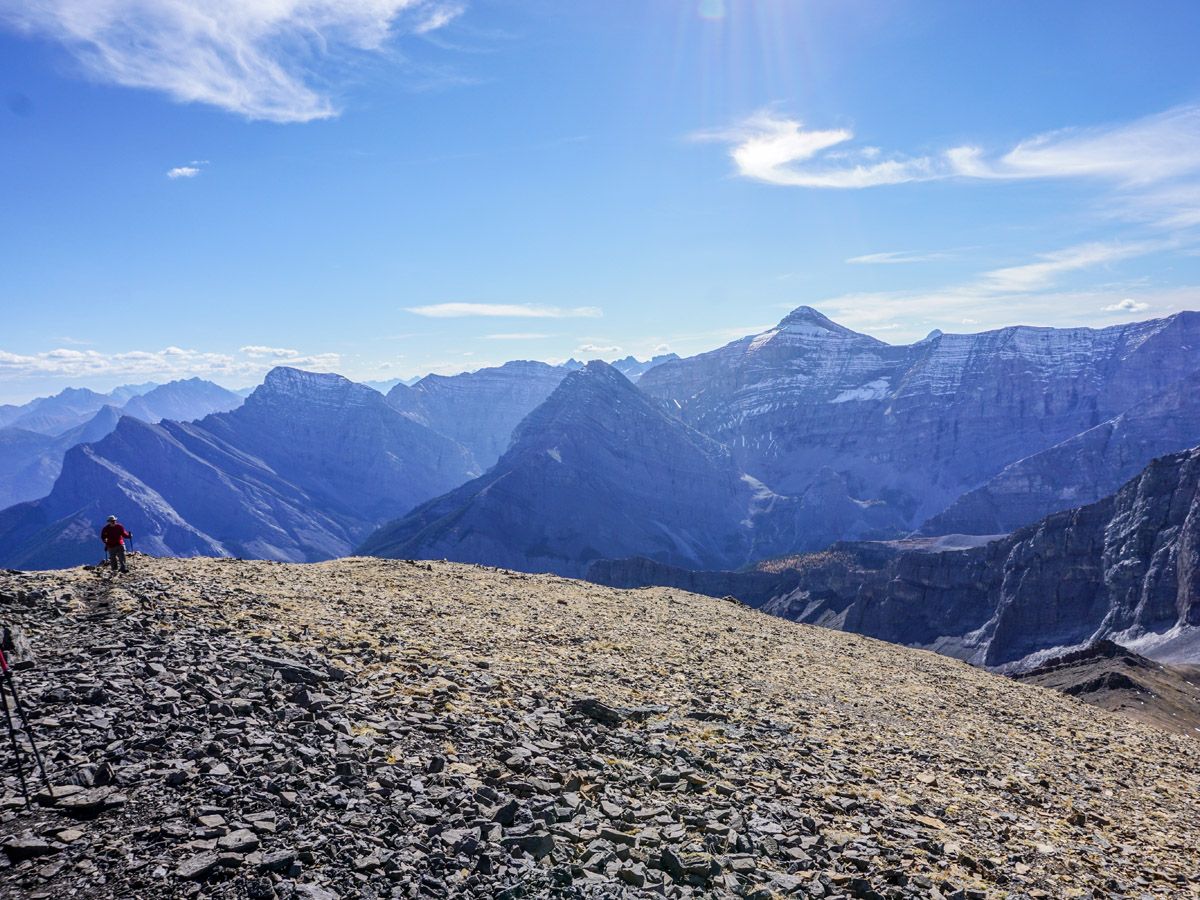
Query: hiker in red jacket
{"points": [[113, 534]]}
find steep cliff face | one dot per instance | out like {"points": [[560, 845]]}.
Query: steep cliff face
{"points": [[1125, 568], [596, 471], [914, 427], [1081, 469], [479, 409], [305, 469]]}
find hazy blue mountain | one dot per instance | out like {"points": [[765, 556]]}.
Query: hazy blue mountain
{"points": [[68, 408], [181, 401], [634, 369], [65, 410], [30, 460], [479, 409], [303, 470], [597, 470]]}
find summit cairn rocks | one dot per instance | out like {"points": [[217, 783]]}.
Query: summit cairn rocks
{"points": [[379, 729]]}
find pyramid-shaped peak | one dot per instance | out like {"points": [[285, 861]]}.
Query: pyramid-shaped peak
{"points": [[805, 318]]}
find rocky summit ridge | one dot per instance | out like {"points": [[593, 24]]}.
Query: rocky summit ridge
{"points": [[371, 728]]}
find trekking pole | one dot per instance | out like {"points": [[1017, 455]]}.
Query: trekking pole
{"points": [[12, 736], [8, 682]]}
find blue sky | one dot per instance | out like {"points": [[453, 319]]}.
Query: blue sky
{"points": [[390, 187]]}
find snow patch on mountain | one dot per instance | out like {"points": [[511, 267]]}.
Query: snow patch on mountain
{"points": [[872, 390]]}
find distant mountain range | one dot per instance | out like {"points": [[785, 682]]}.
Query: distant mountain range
{"points": [[831, 435], [303, 470], [777, 444], [39, 433]]}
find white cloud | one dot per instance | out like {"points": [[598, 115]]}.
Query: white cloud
{"points": [[439, 16], [169, 362], [597, 350], [769, 148], [183, 172], [257, 58], [516, 336], [894, 257], [1127, 305], [778, 150], [504, 310]]}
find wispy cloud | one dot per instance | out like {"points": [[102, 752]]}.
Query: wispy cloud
{"points": [[1049, 266], [276, 352], [1034, 293], [516, 336], [779, 150], [264, 59], [504, 310], [183, 172], [894, 257]]}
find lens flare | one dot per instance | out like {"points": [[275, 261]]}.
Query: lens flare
{"points": [[712, 9]]}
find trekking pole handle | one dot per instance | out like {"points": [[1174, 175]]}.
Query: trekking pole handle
{"points": [[4, 670]]}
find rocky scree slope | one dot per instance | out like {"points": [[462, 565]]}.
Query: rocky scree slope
{"points": [[368, 728]]}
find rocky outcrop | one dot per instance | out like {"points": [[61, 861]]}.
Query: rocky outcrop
{"points": [[306, 468], [1125, 568], [914, 427], [1115, 678]]}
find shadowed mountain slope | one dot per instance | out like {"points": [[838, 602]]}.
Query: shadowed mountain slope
{"points": [[597, 470], [1081, 469]]}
